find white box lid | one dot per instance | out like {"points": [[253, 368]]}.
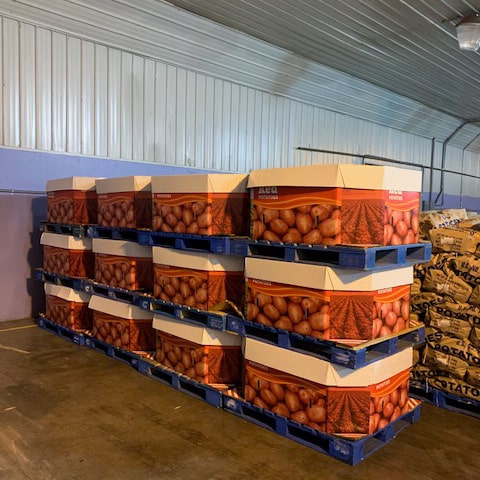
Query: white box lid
{"points": [[194, 333], [200, 183], [66, 293], [122, 248], [124, 184], [345, 176], [71, 183], [66, 241], [325, 278], [323, 372], [118, 309], [197, 260]]}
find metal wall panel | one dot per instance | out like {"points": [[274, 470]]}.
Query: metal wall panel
{"points": [[43, 71], [170, 114], [114, 102], [149, 111], [74, 95], [27, 86], [11, 84], [138, 107], [179, 114], [156, 29], [126, 106], [160, 109], [101, 101], [59, 92], [87, 131]]}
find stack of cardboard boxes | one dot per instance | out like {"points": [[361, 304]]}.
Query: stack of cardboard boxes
{"points": [[315, 205]]}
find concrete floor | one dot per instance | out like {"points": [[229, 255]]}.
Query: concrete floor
{"points": [[69, 412]]}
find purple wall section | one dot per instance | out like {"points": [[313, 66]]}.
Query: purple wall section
{"points": [[20, 214], [26, 170], [454, 201]]}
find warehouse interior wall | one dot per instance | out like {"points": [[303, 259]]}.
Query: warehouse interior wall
{"points": [[153, 83], [116, 90]]}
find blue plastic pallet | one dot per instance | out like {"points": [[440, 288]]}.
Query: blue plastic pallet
{"points": [[351, 357], [130, 234], [445, 400], [200, 243], [348, 451], [364, 258], [125, 356], [217, 321], [181, 382], [64, 229], [71, 282], [115, 293], [73, 336]]}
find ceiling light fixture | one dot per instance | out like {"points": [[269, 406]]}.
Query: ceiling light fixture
{"points": [[468, 32]]}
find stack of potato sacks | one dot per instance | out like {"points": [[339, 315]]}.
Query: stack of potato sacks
{"points": [[330, 205], [446, 296]]}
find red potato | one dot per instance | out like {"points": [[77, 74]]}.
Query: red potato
{"points": [[387, 233], [330, 227], [390, 319], [271, 236], [269, 214], [280, 304], [268, 397], [281, 409], [271, 312], [303, 223], [291, 401], [319, 213], [278, 391], [284, 323], [304, 208], [316, 414], [292, 236], [300, 417], [288, 216], [313, 237], [279, 226]]}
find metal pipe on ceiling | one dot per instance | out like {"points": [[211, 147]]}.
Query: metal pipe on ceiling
{"points": [[444, 153]]}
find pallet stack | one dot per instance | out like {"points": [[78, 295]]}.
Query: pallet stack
{"points": [[322, 359]]}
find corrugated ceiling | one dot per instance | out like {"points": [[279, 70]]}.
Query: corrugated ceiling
{"points": [[406, 46]]}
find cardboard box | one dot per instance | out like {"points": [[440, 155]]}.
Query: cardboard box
{"points": [[344, 305], [335, 204], [67, 255], [205, 204], [123, 264], [67, 307], [72, 200], [203, 354], [325, 396], [197, 279], [125, 202], [122, 324]]}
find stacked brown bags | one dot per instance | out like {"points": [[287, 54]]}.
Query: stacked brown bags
{"points": [[446, 296]]}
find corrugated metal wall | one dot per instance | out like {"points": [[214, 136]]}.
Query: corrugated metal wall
{"points": [[70, 95], [64, 93]]}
